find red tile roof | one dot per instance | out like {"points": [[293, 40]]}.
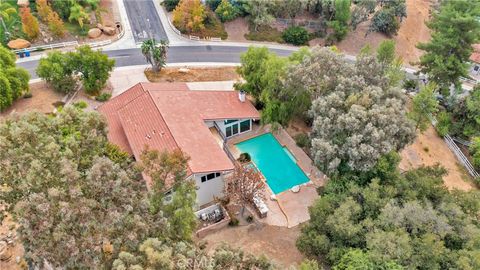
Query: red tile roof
{"points": [[475, 56], [167, 119]]}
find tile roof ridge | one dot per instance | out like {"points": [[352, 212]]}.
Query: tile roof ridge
{"points": [[121, 94]]}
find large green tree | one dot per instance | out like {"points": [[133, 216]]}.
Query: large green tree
{"points": [[56, 69], [13, 80], [424, 107], [400, 221], [455, 27]]}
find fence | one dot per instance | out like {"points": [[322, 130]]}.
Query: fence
{"points": [[460, 156]]}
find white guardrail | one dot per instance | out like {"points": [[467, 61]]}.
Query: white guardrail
{"points": [[71, 44]]}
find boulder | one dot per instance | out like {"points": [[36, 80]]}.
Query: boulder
{"points": [[100, 26], [109, 30], [94, 33], [19, 44]]}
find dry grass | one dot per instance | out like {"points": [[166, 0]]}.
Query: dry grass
{"points": [[193, 74]]}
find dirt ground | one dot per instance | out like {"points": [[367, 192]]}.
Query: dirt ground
{"points": [[193, 74], [15, 250], [429, 149], [412, 31], [237, 29], [42, 100], [277, 243]]}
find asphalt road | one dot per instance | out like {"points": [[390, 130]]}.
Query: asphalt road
{"points": [[177, 54], [144, 20]]}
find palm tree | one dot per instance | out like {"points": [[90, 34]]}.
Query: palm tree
{"points": [[155, 53], [7, 13]]}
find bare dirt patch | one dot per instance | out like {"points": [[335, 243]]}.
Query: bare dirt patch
{"points": [[14, 249], [193, 74], [42, 100], [277, 243], [237, 29], [412, 31], [429, 149]]}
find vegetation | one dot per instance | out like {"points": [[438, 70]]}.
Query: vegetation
{"points": [[103, 97], [155, 53], [170, 5], [259, 13], [226, 11], [424, 106], [264, 33], [244, 185], [93, 69], [13, 80], [455, 27], [296, 35], [29, 23], [341, 18], [8, 22], [189, 16]]}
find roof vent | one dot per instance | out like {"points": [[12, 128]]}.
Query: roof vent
{"points": [[241, 96]]}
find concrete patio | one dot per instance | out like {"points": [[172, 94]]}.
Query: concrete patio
{"points": [[287, 209]]}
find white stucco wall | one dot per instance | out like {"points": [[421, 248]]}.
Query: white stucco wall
{"points": [[207, 191]]}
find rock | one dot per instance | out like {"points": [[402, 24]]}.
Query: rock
{"points": [[19, 44], [100, 26], [295, 189], [23, 3], [94, 33], [109, 30], [183, 70]]}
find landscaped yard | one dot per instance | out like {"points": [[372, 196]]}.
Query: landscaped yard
{"points": [[194, 74]]}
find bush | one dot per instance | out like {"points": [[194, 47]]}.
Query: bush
{"points": [[233, 222], [225, 11], [170, 4], [264, 33], [213, 4], [28, 95], [444, 123], [302, 140], [475, 150], [410, 85], [103, 97], [244, 157], [80, 105], [384, 21], [249, 219], [296, 35]]}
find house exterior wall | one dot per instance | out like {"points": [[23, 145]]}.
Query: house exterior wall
{"points": [[221, 125], [209, 190]]}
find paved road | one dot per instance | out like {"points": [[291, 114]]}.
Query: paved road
{"points": [[177, 54], [144, 20]]}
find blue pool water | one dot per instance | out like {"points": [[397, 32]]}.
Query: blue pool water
{"points": [[276, 164]]}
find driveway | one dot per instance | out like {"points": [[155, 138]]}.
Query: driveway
{"points": [[144, 20]]}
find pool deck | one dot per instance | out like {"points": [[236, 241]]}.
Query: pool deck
{"points": [[289, 209]]}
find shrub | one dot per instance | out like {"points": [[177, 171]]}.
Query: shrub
{"points": [[264, 33], [384, 21], [410, 85], [302, 140], [170, 4], [213, 4], [233, 222], [475, 150], [249, 219], [244, 157], [80, 104], [28, 95], [296, 35], [29, 23], [55, 24], [444, 123], [225, 11], [103, 97]]}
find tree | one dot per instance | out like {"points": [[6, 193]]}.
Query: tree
{"points": [[244, 185], [94, 68], [386, 52], [259, 13], [189, 16], [43, 9], [7, 18], [29, 23], [155, 54], [424, 106], [350, 106], [68, 196], [78, 14], [392, 65], [91, 67], [342, 16], [394, 221], [475, 150], [251, 70], [384, 21], [55, 24], [168, 171], [62, 7], [296, 35], [156, 254], [13, 80], [170, 4], [455, 27], [226, 11], [57, 71], [465, 115]]}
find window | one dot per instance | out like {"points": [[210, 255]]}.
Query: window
{"points": [[231, 130], [226, 122], [245, 126], [228, 131], [209, 176]]}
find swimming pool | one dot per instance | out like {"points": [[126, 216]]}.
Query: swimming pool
{"points": [[277, 165]]}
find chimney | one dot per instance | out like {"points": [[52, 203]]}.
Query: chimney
{"points": [[241, 96]]}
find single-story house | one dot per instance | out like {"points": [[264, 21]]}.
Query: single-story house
{"points": [[169, 116]]}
